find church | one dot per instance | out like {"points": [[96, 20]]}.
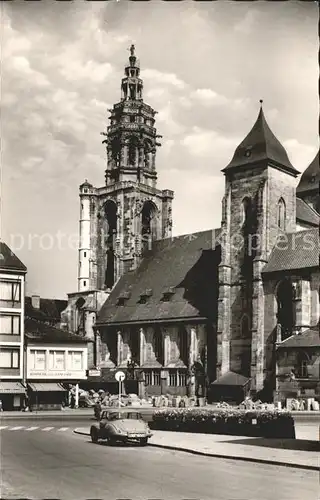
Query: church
{"points": [[223, 313]]}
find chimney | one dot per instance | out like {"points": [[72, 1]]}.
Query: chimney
{"points": [[35, 301]]}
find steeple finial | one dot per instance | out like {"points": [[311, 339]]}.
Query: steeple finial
{"points": [[261, 102], [132, 49]]}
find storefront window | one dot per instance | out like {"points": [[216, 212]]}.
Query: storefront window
{"points": [[57, 360], [75, 360]]}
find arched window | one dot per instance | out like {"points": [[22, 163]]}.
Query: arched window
{"points": [[286, 310], [110, 210], [281, 214], [148, 224], [133, 152], [245, 326], [79, 315], [246, 207], [116, 152]]}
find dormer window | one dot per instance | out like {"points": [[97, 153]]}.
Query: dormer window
{"points": [[145, 295], [168, 293], [313, 178], [123, 298], [247, 152]]}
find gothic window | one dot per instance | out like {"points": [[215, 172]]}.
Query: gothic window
{"points": [[132, 119], [183, 345], [158, 345], [281, 214], [109, 236], [246, 209], [79, 314], [116, 152], [133, 152], [245, 326], [286, 309], [148, 213]]}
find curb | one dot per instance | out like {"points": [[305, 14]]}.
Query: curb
{"points": [[227, 457]]}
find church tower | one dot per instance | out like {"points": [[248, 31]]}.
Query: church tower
{"points": [[259, 204], [120, 220]]}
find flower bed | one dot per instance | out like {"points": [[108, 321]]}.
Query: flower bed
{"points": [[263, 423]]}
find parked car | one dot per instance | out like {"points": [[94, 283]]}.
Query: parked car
{"points": [[122, 427]]}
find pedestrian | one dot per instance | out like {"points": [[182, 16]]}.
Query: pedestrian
{"points": [[1, 408], [73, 401]]}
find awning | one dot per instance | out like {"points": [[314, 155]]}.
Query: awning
{"points": [[47, 387], [11, 388]]}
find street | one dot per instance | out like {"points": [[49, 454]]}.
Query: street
{"points": [[47, 460]]}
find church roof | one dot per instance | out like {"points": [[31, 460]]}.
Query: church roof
{"points": [[310, 178], [261, 145], [295, 251], [306, 214], [9, 261], [175, 277], [308, 338]]}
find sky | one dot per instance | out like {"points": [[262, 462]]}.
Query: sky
{"points": [[205, 65]]}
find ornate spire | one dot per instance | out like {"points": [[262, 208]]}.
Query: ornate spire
{"points": [[132, 85], [261, 145]]}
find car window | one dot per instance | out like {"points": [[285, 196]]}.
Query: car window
{"points": [[116, 416], [135, 416]]}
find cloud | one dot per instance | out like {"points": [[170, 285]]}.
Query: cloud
{"points": [[206, 143], [155, 76], [208, 96]]}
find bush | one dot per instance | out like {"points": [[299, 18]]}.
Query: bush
{"points": [[263, 423]]}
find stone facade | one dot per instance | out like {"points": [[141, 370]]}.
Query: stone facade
{"points": [[119, 224], [166, 372]]}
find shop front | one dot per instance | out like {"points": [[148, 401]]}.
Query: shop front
{"points": [[12, 395], [46, 396]]}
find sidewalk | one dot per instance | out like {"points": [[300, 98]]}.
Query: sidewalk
{"points": [[74, 412], [289, 452]]}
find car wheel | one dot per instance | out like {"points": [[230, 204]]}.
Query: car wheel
{"points": [[94, 436], [143, 441]]}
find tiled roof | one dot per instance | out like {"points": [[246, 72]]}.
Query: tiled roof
{"points": [[260, 145], [186, 263], [309, 338], [296, 251], [38, 331], [306, 214], [50, 309], [9, 261], [232, 378], [311, 177]]}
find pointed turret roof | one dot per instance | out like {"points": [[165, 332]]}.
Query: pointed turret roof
{"points": [[310, 178], [261, 145]]}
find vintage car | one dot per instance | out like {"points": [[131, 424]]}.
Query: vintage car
{"points": [[120, 426]]}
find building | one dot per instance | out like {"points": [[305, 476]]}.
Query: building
{"points": [[54, 357], [209, 309], [12, 286], [120, 219]]}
